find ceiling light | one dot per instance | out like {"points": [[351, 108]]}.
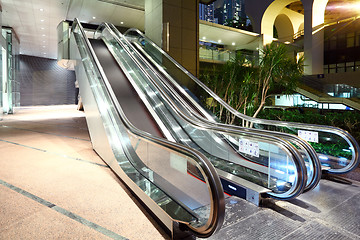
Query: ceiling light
{"points": [[44, 53], [219, 40], [204, 38], [94, 17], [121, 22], [43, 35], [41, 9], [42, 20], [42, 28], [43, 46], [233, 44], [287, 42]]}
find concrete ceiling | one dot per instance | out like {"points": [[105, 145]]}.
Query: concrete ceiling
{"points": [[231, 37], [35, 21]]}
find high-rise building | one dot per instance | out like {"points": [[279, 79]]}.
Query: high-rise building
{"points": [[233, 10], [224, 11], [206, 12]]}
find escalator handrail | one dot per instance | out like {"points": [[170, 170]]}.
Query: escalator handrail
{"points": [[309, 150], [314, 127], [212, 179], [287, 147]]}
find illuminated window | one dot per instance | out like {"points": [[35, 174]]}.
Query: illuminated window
{"points": [[340, 67], [326, 68], [350, 66]]}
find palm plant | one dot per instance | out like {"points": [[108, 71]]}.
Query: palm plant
{"points": [[276, 70], [246, 86]]}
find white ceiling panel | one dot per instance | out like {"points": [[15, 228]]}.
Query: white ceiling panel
{"points": [[35, 21]]}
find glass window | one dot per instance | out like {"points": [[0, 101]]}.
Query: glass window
{"points": [[350, 64], [341, 41], [341, 69], [350, 40], [357, 39], [333, 43], [332, 70], [326, 45], [350, 69], [326, 68]]}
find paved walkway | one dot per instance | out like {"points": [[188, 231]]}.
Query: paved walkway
{"points": [[54, 186]]}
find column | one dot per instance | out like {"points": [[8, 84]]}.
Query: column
{"points": [[313, 43], [174, 25]]}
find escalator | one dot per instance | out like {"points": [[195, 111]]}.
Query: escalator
{"points": [[134, 121], [276, 165], [177, 184], [124, 92], [312, 88], [342, 159]]}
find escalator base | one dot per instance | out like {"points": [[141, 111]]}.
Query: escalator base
{"points": [[330, 211], [242, 188]]}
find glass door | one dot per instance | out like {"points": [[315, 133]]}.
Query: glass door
{"points": [[3, 92]]}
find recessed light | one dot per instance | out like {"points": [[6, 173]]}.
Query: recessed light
{"points": [[43, 35], [204, 38], [42, 28], [287, 42], [233, 44], [42, 20], [43, 46], [41, 9], [219, 40], [121, 22], [44, 53], [94, 17]]}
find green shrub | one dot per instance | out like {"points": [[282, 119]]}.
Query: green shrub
{"points": [[347, 120]]}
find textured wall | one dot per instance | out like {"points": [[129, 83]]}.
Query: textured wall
{"points": [[43, 82]]}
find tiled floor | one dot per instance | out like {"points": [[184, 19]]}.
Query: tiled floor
{"points": [[54, 186]]}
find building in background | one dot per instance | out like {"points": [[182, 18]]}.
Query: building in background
{"points": [[226, 12], [206, 13]]}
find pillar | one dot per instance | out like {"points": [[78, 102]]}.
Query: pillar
{"points": [[174, 26], [313, 41], [314, 35]]}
